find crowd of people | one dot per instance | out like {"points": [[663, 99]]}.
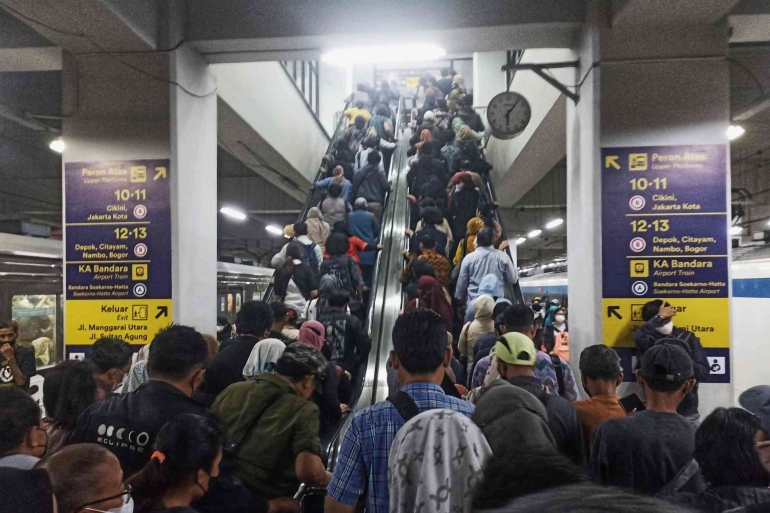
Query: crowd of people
{"points": [[483, 414]]}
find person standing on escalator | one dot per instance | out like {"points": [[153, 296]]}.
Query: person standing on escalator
{"points": [[372, 184]]}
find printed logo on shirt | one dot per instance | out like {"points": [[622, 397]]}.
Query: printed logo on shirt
{"points": [[122, 438], [6, 376]]}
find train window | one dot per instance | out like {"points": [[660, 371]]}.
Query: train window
{"points": [[37, 317]]}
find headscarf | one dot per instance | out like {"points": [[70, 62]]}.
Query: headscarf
{"points": [[312, 333], [471, 230], [431, 295], [26, 491], [482, 307], [435, 463], [315, 213], [511, 416], [263, 357]]}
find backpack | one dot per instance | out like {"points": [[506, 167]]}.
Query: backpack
{"points": [[312, 259], [341, 278]]}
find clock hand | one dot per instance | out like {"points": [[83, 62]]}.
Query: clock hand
{"points": [[514, 106]]}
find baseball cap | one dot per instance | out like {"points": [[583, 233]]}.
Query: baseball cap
{"points": [[757, 401], [360, 202], [537, 299], [667, 362], [300, 360], [428, 116], [516, 349]]}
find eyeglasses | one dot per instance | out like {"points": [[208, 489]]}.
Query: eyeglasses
{"points": [[125, 495]]}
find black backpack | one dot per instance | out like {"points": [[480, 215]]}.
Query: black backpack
{"points": [[312, 259]]}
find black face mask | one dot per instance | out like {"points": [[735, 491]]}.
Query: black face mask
{"points": [[537, 307]]}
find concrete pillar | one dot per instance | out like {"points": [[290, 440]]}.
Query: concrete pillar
{"points": [[152, 148], [656, 87], [488, 77]]}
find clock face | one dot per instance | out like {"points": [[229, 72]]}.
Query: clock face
{"points": [[508, 115]]}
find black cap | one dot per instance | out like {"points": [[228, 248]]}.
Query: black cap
{"points": [[757, 401], [667, 362]]}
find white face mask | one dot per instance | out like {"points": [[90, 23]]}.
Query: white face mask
{"points": [[559, 318], [125, 508], [666, 329], [297, 261]]}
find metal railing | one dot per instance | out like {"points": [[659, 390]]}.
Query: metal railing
{"points": [[305, 76]]}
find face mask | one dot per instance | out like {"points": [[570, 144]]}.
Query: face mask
{"points": [[297, 261], [220, 329], [125, 508], [559, 318], [666, 329]]}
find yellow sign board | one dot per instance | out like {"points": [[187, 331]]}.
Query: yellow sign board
{"points": [[707, 318], [412, 81], [134, 320]]}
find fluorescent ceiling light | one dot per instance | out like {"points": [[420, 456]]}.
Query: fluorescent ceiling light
{"points": [[534, 233], [521, 240], [235, 214], [57, 145], [734, 132], [382, 54], [736, 230], [554, 223], [275, 230]]}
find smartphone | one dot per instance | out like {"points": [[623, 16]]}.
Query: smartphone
{"points": [[631, 403]]}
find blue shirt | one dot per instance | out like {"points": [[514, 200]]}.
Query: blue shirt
{"points": [[476, 265], [362, 466], [363, 225], [346, 187]]}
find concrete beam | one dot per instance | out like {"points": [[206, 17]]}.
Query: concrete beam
{"points": [[46, 58]]}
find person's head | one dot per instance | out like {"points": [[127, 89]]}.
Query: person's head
{"points": [[9, 332], [445, 72], [431, 216], [458, 79], [300, 228], [26, 491], [426, 149], [483, 306], [501, 305], [382, 110], [360, 121], [374, 158], [313, 333], [650, 310], [666, 373], [360, 204], [337, 244], [301, 365], [466, 165], [468, 100], [111, 361], [517, 471], [21, 429], [255, 318], [519, 319], [213, 345], [600, 370], [86, 477], [485, 210], [725, 449], [359, 104], [485, 237], [422, 268], [441, 104], [280, 315], [757, 401], [187, 454], [341, 227], [419, 350], [339, 298], [427, 242], [68, 389], [335, 190], [177, 355], [560, 315], [516, 355]]}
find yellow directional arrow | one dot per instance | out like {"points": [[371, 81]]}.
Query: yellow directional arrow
{"points": [[611, 160], [160, 172]]}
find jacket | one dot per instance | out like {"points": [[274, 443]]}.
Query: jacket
{"points": [[364, 225], [370, 184], [346, 186], [128, 424], [334, 210], [347, 338], [646, 337], [480, 326], [475, 266], [227, 365], [280, 257]]}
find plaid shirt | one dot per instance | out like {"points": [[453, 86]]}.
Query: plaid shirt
{"points": [[362, 466]]}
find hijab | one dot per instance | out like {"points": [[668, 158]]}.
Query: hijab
{"points": [[511, 416], [435, 463], [26, 491], [472, 228], [315, 213], [430, 294], [312, 333], [263, 357]]}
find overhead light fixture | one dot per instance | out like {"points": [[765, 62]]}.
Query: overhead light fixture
{"points": [[554, 223], [275, 230], [534, 233], [57, 145], [734, 132], [235, 214], [736, 230], [383, 54], [521, 240]]}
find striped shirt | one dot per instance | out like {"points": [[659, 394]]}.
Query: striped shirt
{"points": [[362, 466]]}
